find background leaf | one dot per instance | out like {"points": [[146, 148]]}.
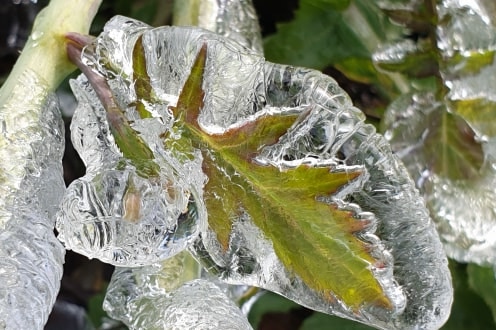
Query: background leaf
{"points": [[481, 280], [316, 28]]}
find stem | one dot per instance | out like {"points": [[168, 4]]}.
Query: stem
{"points": [[44, 53]]}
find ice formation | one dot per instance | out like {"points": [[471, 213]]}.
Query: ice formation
{"points": [[31, 186], [170, 296], [241, 87], [455, 171]]}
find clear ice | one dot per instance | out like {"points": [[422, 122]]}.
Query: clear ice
{"points": [[240, 85], [117, 215], [463, 208], [31, 186], [169, 295], [234, 19]]}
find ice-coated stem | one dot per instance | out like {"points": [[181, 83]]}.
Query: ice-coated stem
{"points": [[44, 52], [234, 19], [31, 184]]}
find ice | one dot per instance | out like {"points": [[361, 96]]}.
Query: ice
{"points": [[395, 53], [459, 194], [467, 36], [116, 214], [465, 29], [463, 209], [403, 5], [31, 186], [169, 296], [234, 19], [241, 86]]}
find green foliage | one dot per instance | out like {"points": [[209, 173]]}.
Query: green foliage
{"points": [[282, 203], [316, 38], [482, 281], [469, 310], [451, 147]]}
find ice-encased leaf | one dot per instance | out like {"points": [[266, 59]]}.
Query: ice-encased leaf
{"points": [[167, 296], [447, 142], [136, 204], [453, 168], [406, 57], [310, 131]]}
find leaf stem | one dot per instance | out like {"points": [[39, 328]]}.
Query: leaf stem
{"points": [[44, 53]]}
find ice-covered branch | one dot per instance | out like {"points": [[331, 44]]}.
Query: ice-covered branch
{"points": [[31, 184]]}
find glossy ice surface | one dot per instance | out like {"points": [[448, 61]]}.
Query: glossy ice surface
{"points": [[240, 86], [449, 145], [167, 296], [31, 186]]}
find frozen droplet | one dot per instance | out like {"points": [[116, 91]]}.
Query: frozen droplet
{"points": [[36, 35], [240, 86], [31, 148]]}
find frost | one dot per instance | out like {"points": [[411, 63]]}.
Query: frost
{"points": [[31, 186], [240, 87]]}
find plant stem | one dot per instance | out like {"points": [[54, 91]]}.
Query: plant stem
{"points": [[44, 53]]}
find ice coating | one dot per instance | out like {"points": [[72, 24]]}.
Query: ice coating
{"points": [[468, 30], [402, 5], [167, 296], [114, 212], [413, 269], [31, 186], [234, 19], [461, 196], [464, 210]]}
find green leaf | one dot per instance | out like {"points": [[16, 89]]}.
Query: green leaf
{"points": [[96, 314], [129, 142], [463, 64], [482, 281], [467, 304], [479, 113], [418, 63], [316, 38], [141, 79], [282, 203], [321, 321], [269, 303], [451, 148]]}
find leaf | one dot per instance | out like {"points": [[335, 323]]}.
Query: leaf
{"points": [[314, 240], [269, 303], [466, 304], [129, 142], [321, 321], [141, 79], [417, 63], [451, 148], [316, 38], [482, 281], [479, 113], [469, 63]]}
